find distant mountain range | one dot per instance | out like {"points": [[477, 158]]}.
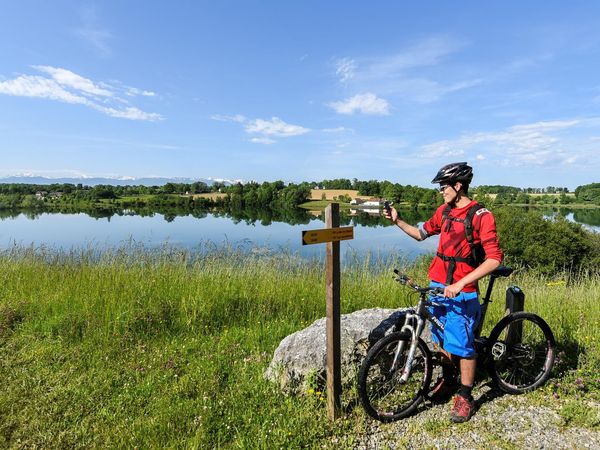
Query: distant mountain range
{"points": [[93, 181]]}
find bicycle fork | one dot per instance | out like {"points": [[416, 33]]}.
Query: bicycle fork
{"points": [[413, 346]]}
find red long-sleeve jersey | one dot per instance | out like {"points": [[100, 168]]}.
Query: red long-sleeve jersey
{"points": [[453, 241]]}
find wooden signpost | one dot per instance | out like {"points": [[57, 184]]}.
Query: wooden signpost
{"points": [[332, 234]]}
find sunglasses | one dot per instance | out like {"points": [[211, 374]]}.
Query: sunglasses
{"points": [[443, 187]]}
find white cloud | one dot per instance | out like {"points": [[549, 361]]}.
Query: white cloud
{"points": [[266, 129], [36, 86], [131, 113], [274, 127], [72, 80], [262, 140], [48, 173], [337, 130], [367, 103], [400, 73], [529, 144], [69, 87], [223, 118], [132, 92], [428, 52], [545, 126], [345, 69]]}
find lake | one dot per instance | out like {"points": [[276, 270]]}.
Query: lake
{"points": [[372, 235], [66, 231]]}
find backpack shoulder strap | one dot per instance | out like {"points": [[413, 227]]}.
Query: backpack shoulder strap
{"points": [[469, 221], [446, 213]]}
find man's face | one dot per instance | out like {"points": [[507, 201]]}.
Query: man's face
{"points": [[449, 192]]}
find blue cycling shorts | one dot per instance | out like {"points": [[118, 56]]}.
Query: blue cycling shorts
{"points": [[460, 316]]}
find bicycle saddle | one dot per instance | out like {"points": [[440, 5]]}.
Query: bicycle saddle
{"points": [[502, 271]]}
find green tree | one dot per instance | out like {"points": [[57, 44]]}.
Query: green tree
{"points": [[522, 198], [529, 239]]}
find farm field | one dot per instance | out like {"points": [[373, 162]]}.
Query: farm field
{"points": [[210, 195], [317, 194]]}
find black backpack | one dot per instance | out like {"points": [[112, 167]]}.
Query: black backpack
{"points": [[477, 254]]}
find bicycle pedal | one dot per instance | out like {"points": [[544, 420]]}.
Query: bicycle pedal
{"points": [[498, 350]]}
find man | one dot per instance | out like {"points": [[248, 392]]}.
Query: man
{"points": [[460, 261]]}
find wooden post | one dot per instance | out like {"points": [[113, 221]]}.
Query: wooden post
{"points": [[332, 234], [334, 360]]}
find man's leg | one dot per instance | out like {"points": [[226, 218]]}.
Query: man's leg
{"points": [[467, 371], [458, 339], [467, 377], [464, 405]]}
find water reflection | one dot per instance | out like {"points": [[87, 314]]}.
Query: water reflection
{"points": [[269, 230], [253, 229], [584, 216]]}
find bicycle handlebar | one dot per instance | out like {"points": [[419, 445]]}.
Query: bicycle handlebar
{"points": [[405, 280]]}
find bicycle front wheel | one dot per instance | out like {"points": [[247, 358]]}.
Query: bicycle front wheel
{"points": [[382, 394], [521, 352]]}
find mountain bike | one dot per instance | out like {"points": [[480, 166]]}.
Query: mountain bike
{"points": [[395, 376]]}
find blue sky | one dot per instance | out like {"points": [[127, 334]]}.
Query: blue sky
{"points": [[302, 90]]}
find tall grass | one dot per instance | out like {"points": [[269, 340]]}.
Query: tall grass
{"points": [[152, 348]]}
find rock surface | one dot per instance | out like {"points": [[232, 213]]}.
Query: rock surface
{"points": [[301, 357]]}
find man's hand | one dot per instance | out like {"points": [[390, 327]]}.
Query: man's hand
{"points": [[454, 289], [391, 215]]}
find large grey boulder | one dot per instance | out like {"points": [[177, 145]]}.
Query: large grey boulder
{"points": [[301, 357]]}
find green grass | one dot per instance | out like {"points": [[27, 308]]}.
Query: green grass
{"points": [[153, 349]]}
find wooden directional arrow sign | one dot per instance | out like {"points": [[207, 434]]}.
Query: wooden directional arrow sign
{"points": [[327, 235]]}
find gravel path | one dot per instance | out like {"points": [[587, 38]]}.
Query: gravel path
{"points": [[506, 422]]}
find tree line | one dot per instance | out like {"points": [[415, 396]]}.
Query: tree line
{"points": [[500, 189], [107, 190], [588, 193], [279, 194]]}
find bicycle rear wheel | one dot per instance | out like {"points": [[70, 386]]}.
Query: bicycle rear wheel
{"points": [[521, 352], [381, 393]]}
